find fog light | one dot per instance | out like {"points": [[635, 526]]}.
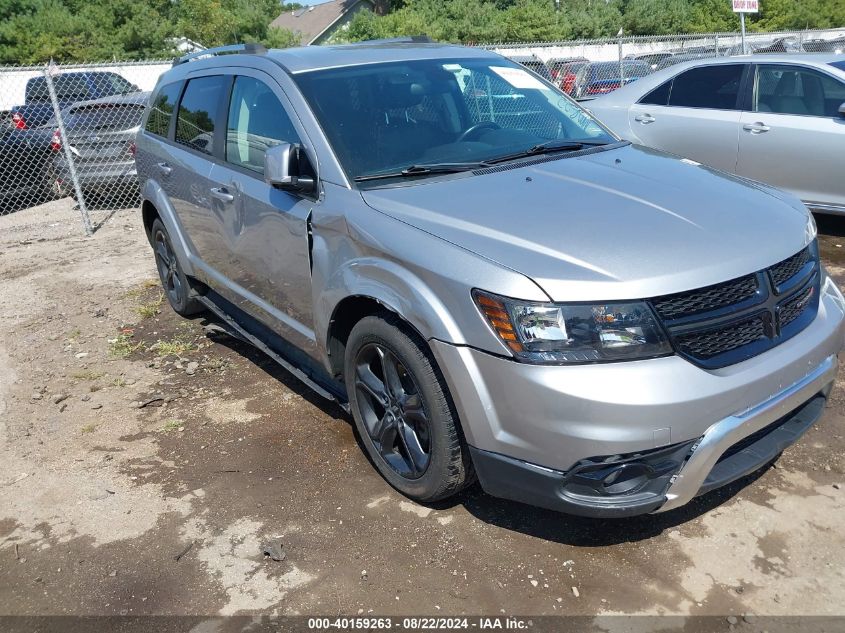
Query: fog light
{"points": [[627, 478]]}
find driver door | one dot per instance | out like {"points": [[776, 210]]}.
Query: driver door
{"points": [[265, 229]]}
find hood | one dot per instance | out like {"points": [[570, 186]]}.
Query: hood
{"points": [[624, 223]]}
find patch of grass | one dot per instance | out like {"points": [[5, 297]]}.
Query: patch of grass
{"points": [[90, 376], [120, 381], [123, 346], [88, 428], [171, 426], [180, 344], [149, 309], [74, 334]]}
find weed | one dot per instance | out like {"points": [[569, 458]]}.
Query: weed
{"points": [[123, 346], [176, 346], [150, 309], [120, 381], [171, 425], [88, 428], [74, 334]]}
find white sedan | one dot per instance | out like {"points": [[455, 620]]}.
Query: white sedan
{"points": [[779, 119]]}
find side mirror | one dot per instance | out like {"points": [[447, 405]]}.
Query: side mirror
{"points": [[842, 110], [282, 168]]}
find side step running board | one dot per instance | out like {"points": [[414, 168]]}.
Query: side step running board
{"points": [[241, 333]]}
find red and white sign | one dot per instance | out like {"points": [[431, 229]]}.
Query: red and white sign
{"points": [[746, 6]]}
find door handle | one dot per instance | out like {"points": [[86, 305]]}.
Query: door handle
{"points": [[221, 194], [164, 168], [756, 128], [645, 119]]}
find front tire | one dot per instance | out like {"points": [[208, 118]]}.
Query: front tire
{"points": [[403, 411], [177, 288]]}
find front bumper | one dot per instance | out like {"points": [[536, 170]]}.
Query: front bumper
{"points": [[530, 426]]}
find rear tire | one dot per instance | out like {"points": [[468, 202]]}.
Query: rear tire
{"points": [[177, 288], [403, 410]]}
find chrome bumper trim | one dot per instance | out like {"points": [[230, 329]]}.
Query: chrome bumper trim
{"points": [[727, 432]]}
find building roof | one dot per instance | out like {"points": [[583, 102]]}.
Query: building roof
{"points": [[312, 21]]}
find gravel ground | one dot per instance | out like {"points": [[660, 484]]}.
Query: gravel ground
{"points": [[146, 460]]}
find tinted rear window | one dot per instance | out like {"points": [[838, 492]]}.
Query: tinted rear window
{"points": [[112, 116], [69, 87], [36, 90], [714, 87], [161, 109], [198, 112]]}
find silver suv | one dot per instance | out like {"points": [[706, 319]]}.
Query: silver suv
{"points": [[492, 283]]}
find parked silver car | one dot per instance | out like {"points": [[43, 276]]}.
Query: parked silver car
{"points": [[779, 119], [489, 280], [101, 135]]}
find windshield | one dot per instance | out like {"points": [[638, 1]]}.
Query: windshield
{"points": [[386, 117]]}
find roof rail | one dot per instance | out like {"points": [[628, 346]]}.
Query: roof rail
{"points": [[406, 39], [247, 49]]}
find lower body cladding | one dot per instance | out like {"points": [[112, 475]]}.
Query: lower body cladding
{"points": [[628, 438]]}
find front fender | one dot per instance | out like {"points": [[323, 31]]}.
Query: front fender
{"points": [[153, 193], [397, 289]]}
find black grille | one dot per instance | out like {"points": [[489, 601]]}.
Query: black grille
{"points": [[733, 321], [710, 343], [788, 268], [793, 308], [706, 299]]}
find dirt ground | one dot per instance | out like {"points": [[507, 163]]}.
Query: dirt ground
{"points": [[146, 459]]}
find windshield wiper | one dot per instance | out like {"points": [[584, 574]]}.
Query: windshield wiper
{"points": [[424, 170], [547, 148]]}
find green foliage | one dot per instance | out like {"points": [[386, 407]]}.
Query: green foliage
{"points": [[34, 31], [537, 20]]}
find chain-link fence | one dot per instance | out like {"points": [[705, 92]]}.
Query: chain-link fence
{"points": [[590, 68], [69, 131]]}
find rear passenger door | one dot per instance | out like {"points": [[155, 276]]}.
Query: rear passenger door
{"points": [[793, 136], [696, 114], [264, 229], [186, 169]]}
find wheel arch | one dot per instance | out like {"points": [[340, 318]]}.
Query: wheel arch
{"points": [[347, 314], [155, 205], [371, 286]]}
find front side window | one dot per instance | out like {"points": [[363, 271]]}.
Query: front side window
{"points": [[395, 115], [198, 112], [161, 109], [257, 121], [786, 89], [712, 87]]}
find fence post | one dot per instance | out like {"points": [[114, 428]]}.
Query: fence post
{"points": [[621, 65], [83, 209], [716, 45]]}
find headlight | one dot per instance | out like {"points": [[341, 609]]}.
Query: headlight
{"points": [[554, 333], [812, 231]]}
